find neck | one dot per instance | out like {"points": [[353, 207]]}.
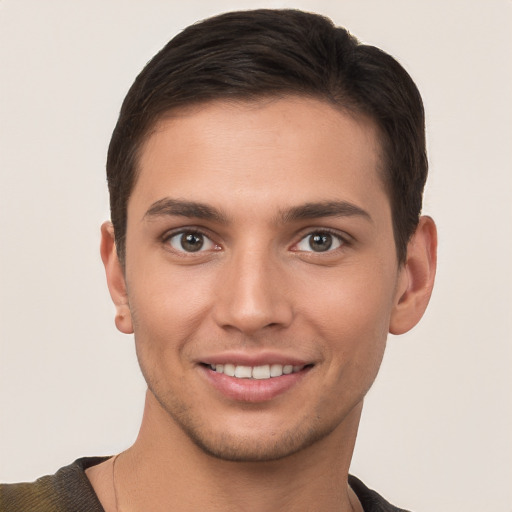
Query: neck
{"points": [[165, 470]]}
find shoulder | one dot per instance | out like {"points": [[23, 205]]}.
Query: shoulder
{"points": [[68, 490], [370, 499]]}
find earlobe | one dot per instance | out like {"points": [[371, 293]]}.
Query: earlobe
{"points": [[115, 279], [417, 278]]}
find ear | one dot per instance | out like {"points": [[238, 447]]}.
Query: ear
{"points": [[416, 278], [115, 279]]}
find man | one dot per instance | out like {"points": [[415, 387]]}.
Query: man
{"points": [[266, 177]]}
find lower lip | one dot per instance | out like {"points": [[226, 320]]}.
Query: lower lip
{"points": [[253, 390]]}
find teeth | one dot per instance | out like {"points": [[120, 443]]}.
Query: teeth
{"points": [[276, 370], [243, 372], [255, 372], [261, 372], [229, 369]]}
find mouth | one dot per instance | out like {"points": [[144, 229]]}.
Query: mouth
{"points": [[254, 383], [266, 371]]}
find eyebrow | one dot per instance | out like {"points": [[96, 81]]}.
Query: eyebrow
{"points": [[182, 208], [193, 209], [323, 209]]}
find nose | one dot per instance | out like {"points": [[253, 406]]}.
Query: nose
{"points": [[253, 294]]}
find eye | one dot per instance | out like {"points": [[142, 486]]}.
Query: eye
{"points": [[190, 241], [320, 241]]}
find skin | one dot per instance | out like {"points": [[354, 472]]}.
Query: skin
{"points": [[257, 290]]}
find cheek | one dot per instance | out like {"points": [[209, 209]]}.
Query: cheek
{"points": [[167, 307], [351, 315], [353, 328], [354, 303]]}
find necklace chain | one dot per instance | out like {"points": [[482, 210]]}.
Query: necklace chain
{"points": [[114, 460]]}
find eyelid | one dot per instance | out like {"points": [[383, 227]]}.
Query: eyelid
{"points": [[168, 235], [344, 239]]}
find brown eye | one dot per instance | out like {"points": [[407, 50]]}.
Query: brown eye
{"points": [[190, 241], [319, 241]]}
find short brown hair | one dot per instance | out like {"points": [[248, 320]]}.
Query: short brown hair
{"points": [[250, 54]]}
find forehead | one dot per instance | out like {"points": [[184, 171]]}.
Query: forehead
{"points": [[291, 149]]}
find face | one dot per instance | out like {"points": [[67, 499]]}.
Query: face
{"points": [[261, 273]]}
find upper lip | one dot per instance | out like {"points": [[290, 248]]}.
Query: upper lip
{"points": [[243, 358]]}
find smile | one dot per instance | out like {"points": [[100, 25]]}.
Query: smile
{"points": [[265, 371], [254, 383]]}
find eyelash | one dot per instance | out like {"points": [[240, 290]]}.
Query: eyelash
{"points": [[342, 240], [167, 238]]}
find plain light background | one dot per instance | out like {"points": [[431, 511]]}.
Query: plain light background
{"points": [[436, 431]]}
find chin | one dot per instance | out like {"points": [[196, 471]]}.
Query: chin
{"points": [[264, 448]]}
